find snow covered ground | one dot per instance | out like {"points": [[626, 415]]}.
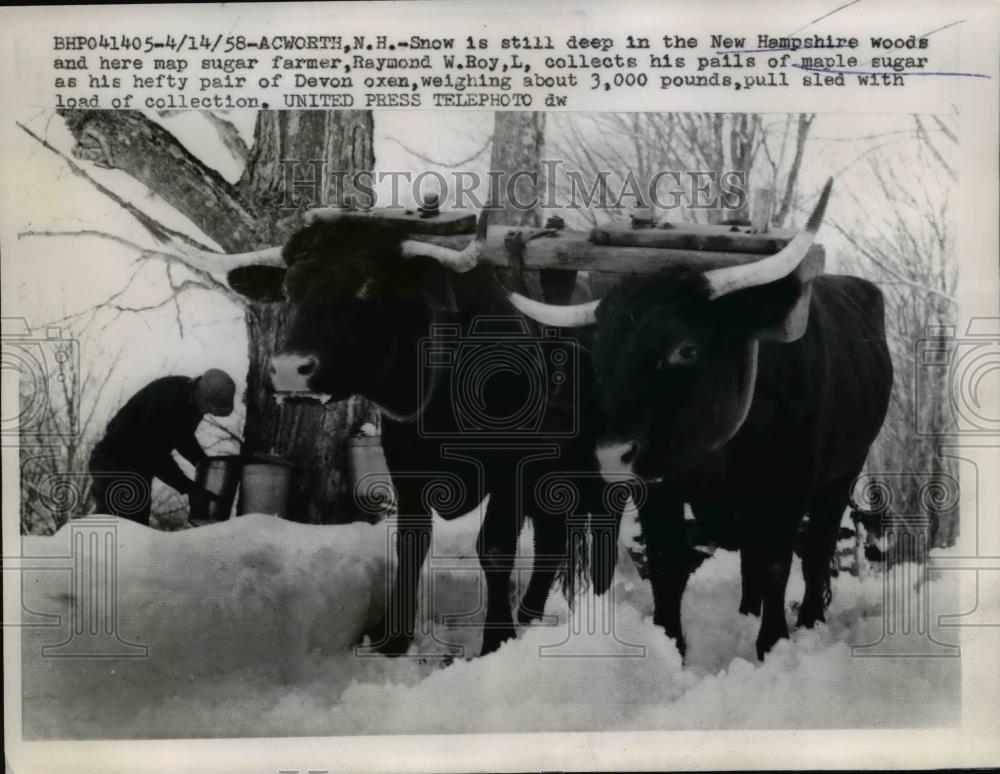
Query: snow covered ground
{"points": [[250, 626]]}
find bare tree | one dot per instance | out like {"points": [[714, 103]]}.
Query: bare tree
{"points": [[901, 238], [298, 159], [763, 153], [56, 442]]}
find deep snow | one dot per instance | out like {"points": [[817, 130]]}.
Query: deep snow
{"points": [[250, 625]]}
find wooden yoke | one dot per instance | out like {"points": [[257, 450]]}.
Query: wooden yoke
{"points": [[609, 252]]}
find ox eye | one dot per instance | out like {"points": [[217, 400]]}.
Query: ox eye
{"points": [[683, 354], [366, 291]]}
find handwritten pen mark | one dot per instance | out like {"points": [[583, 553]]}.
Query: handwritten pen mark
{"points": [[885, 72], [952, 24], [721, 51], [820, 18]]}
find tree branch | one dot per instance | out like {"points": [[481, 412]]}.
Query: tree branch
{"points": [[896, 276], [435, 162], [229, 135], [210, 267], [128, 141], [805, 121], [160, 232]]}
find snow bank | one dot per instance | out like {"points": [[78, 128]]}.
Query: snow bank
{"points": [[250, 626]]}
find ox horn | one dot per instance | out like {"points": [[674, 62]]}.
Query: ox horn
{"points": [[218, 265], [572, 316], [457, 260], [774, 267], [269, 256]]}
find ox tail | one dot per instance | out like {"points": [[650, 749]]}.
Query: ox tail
{"points": [[572, 578], [828, 586], [590, 558]]}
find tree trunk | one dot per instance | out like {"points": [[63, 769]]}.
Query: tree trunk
{"points": [[518, 146], [805, 121], [302, 159], [325, 145], [518, 140]]}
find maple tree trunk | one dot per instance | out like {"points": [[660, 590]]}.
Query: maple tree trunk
{"points": [[293, 147], [518, 146], [518, 140]]}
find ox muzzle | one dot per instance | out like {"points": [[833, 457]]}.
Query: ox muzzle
{"points": [[617, 460], [291, 373]]}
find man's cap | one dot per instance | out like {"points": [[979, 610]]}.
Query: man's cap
{"points": [[217, 390]]}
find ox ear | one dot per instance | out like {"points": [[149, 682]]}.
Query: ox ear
{"points": [[258, 283], [779, 310]]}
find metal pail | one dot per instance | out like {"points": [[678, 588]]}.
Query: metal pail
{"points": [[371, 482], [266, 484], [221, 477]]}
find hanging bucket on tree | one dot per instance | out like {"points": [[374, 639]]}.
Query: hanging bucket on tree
{"points": [[221, 477], [370, 480], [266, 485]]}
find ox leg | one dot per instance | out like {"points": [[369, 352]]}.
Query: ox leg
{"points": [[773, 625], [604, 558], [497, 553], [751, 571], [604, 529], [668, 553], [818, 549], [774, 547], [412, 542]]}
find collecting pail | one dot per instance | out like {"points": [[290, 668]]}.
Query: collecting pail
{"points": [[220, 476], [371, 482], [266, 484]]}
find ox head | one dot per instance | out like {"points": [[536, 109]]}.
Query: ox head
{"points": [[676, 352], [355, 290]]}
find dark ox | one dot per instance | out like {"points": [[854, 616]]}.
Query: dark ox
{"points": [[363, 298], [713, 393]]}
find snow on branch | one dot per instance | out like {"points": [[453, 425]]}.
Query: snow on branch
{"points": [[209, 266], [128, 141]]}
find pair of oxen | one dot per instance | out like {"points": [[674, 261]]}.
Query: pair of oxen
{"points": [[751, 392]]}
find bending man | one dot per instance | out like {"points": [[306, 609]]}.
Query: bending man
{"points": [[137, 446]]}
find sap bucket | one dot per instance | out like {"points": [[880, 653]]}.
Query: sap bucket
{"points": [[371, 483], [266, 485], [221, 477]]}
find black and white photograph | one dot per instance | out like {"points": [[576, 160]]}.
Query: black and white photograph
{"points": [[416, 403]]}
